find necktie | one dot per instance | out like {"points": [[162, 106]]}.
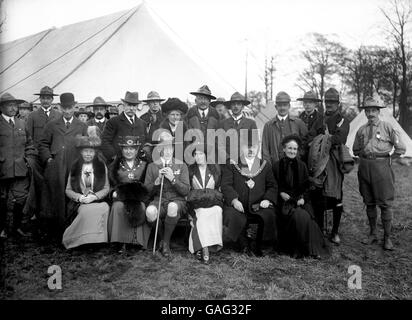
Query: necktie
{"points": [[47, 114], [370, 132], [11, 122], [67, 124], [132, 120], [203, 115]]}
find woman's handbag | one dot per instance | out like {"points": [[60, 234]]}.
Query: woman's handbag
{"points": [[204, 198]]}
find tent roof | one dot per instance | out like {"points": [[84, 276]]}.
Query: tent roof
{"points": [[386, 115], [131, 50]]}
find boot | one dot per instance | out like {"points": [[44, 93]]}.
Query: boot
{"points": [[387, 227], [337, 214], [17, 221], [372, 237]]}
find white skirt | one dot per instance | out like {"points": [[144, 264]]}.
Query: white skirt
{"points": [[89, 226]]}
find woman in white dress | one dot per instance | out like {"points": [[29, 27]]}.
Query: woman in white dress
{"points": [[87, 188], [205, 205]]}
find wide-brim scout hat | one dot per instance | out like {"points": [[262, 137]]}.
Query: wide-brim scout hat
{"points": [[174, 104], [204, 91], [282, 97], [82, 111], [372, 103], [46, 91], [88, 142], [218, 101], [99, 102], [236, 97], [67, 100], [292, 137], [129, 141], [7, 97], [309, 96], [153, 96], [131, 98], [332, 95]]}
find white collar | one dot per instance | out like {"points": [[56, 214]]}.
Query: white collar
{"points": [[250, 162], [7, 118], [282, 118], [165, 163], [238, 117], [46, 110], [206, 111], [99, 121], [69, 121]]}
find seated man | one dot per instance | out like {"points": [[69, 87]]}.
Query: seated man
{"points": [[250, 190], [174, 176]]}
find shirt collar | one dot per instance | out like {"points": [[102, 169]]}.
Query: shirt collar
{"points": [[282, 118], [238, 117], [99, 121], [206, 111], [165, 163], [70, 121], [46, 110], [7, 118]]}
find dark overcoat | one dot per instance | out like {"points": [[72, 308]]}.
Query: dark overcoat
{"points": [[59, 143], [36, 122]]}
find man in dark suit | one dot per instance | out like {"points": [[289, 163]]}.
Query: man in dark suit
{"points": [[311, 114], [58, 151], [39, 118], [99, 120], [250, 193], [15, 147], [126, 124], [202, 116], [234, 127]]}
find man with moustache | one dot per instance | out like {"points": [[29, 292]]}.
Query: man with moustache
{"points": [[234, 127], [154, 116], [202, 116], [99, 108], [374, 142], [329, 196], [16, 147], [126, 124], [282, 125], [37, 120], [57, 150]]}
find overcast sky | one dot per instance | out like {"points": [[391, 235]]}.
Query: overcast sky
{"points": [[217, 29]]}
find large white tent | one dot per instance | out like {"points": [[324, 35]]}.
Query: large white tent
{"points": [[386, 115], [131, 50]]}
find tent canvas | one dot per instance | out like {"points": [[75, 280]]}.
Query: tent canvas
{"points": [[386, 115], [131, 50]]}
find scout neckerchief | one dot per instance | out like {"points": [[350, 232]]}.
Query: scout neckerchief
{"points": [[250, 183]]}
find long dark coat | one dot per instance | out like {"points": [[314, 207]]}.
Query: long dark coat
{"points": [[100, 125], [193, 120], [234, 186], [15, 146], [152, 127], [117, 127], [36, 122], [59, 144]]}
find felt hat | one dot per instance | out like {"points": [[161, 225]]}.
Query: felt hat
{"points": [[309, 96], [7, 97], [236, 97], [204, 91], [372, 103], [99, 102], [67, 100], [131, 98], [46, 91], [129, 141], [88, 142], [282, 96], [153, 96], [332, 95], [218, 101]]}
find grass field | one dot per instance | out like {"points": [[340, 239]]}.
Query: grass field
{"points": [[101, 273]]}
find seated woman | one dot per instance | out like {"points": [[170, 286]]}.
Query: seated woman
{"points": [[127, 221], [205, 204], [299, 234], [87, 187]]}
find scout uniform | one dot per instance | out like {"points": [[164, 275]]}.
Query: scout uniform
{"points": [[373, 144]]}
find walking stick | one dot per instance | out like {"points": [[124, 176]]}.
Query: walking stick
{"points": [[158, 214]]}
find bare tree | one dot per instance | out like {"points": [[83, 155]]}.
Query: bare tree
{"points": [[323, 56], [399, 16]]}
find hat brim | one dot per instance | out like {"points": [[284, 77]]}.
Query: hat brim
{"points": [[148, 100], [203, 94], [378, 107], [99, 105], [45, 94], [131, 102], [332, 100], [308, 99], [230, 102], [18, 101], [216, 103], [129, 145]]}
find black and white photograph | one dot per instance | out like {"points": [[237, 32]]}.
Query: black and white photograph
{"points": [[205, 156]]}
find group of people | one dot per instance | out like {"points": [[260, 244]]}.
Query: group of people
{"points": [[122, 179]]}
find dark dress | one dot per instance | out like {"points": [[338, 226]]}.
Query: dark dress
{"points": [[298, 233]]}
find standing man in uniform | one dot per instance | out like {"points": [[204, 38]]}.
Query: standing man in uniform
{"points": [[99, 108], [219, 105], [126, 124], [154, 116], [15, 148], [311, 114], [280, 126], [330, 195], [25, 109], [38, 119], [373, 144], [58, 151]]}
